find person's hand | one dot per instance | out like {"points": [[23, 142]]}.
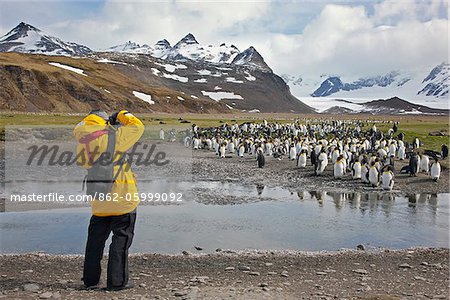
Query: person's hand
{"points": [[113, 119]]}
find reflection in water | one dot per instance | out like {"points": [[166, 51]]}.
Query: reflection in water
{"points": [[265, 218], [371, 202]]}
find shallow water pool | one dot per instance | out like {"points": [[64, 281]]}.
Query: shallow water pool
{"points": [[272, 218]]}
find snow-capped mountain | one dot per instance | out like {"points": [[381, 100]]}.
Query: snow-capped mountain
{"points": [[437, 82], [251, 57], [417, 85], [130, 47], [25, 38], [189, 48], [188, 77], [334, 84]]}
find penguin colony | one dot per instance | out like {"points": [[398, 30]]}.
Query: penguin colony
{"points": [[367, 155]]}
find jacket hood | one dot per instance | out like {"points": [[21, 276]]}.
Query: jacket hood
{"points": [[89, 124]]}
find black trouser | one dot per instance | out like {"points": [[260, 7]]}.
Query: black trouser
{"points": [[99, 230]]}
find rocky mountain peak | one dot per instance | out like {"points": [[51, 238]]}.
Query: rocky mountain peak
{"points": [[251, 57], [163, 43], [19, 31], [26, 38], [189, 39]]}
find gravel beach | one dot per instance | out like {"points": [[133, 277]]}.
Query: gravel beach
{"points": [[355, 274]]}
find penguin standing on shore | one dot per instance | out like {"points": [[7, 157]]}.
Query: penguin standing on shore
{"points": [[260, 158], [387, 179], [301, 159], [231, 147], [339, 167], [292, 153], [435, 170], [374, 175], [196, 144], [444, 151], [416, 143], [424, 164], [322, 162], [222, 150], [241, 150], [413, 164], [356, 170]]}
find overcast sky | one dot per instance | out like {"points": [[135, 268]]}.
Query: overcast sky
{"points": [[353, 38]]}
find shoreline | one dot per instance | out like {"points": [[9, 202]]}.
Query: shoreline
{"points": [[412, 273]]}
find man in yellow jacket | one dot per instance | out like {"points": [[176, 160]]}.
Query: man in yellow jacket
{"points": [[116, 212]]}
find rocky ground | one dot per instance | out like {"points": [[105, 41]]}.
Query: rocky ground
{"points": [[359, 274], [285, 173]]}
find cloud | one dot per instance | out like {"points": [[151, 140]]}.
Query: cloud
{"points": [[346, 40], [147, 22]]}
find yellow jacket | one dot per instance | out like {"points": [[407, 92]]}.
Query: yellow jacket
{"points": [[124, 191]]}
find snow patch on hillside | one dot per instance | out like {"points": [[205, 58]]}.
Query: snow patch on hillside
{"points": [[249, 77], [171, 68], [107, 61], [144, 97], [176, 77], [217, 96], [69, 68], [233, 80]]}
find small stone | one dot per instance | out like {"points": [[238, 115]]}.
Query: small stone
{"points": [[244, 268], [192, 294], [271, 273], [185, 252], [265, 289], [198, 248], [254, 273], [405, 266], [218, 250], [372, 265], [145, 275], [229, 269], [321, 273], [268, 264], [46, 295], [419, 278], [63, 281], [361, 271], [27, 271], [318, 286], [284, 275], [361, 247], [424, 263], [31, 287], [263, 284], [142, 285], [179, 293], [4, 275]]}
